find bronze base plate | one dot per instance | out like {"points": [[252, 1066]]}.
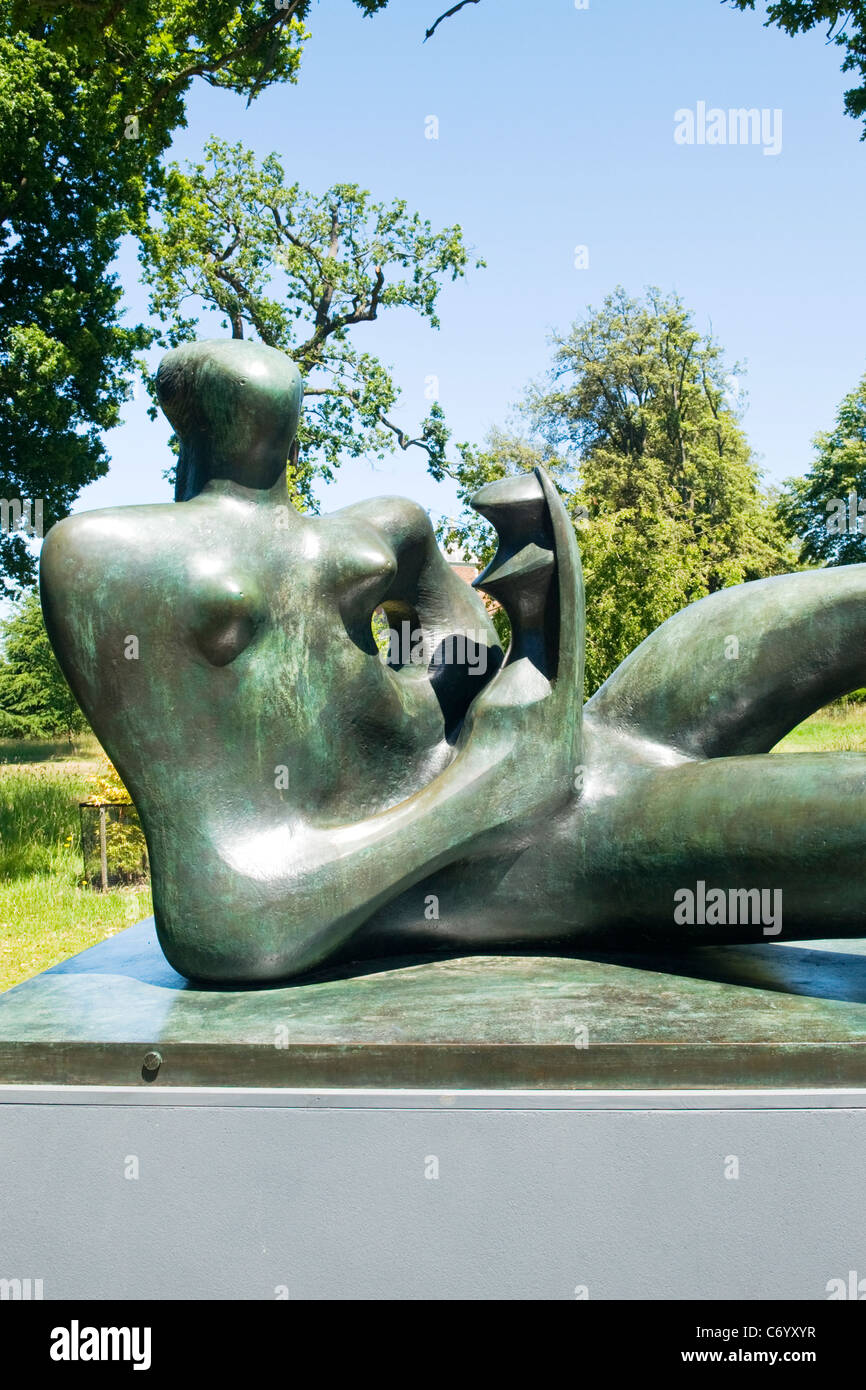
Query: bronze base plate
{"points": [[770, 1015]]}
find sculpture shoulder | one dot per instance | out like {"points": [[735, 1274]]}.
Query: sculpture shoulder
{"points": [[402, 520]]}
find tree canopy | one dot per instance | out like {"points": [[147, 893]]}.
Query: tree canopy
{"points": [[91, 93], [825, 511], [35, 700], [302, 272], [637, 422], [846, 27]]}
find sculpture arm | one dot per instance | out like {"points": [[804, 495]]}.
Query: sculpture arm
{"points": [[335, 878]]}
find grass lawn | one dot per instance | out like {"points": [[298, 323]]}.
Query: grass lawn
{"points": [[85, 750], [837, 729], [45, 912]]}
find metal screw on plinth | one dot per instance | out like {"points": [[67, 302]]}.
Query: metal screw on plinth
{"points": [[151, 1065]]}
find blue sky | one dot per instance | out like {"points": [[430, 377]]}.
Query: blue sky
{"points": [[556, 129]]}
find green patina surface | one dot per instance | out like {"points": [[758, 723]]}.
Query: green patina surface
{"points": [[307, 804]]}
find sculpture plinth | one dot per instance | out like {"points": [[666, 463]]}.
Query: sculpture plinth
{"points": [[320, 819], [516, 1126], [763, 1016]]}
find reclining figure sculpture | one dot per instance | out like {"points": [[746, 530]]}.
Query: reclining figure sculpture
{"points": [[305, 800]]}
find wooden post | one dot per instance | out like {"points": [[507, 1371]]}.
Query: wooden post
{"points": [[103, 850]]}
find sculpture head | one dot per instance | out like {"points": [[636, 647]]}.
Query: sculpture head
{"points": [[234, 407]]}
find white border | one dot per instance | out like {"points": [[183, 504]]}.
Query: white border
{"points": [[288, 1098]]}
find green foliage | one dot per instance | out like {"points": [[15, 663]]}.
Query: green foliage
{"points": [[675, 508], [64, 354], [815, 509], [38, 815], [35, 700], [125, 845], [45, 913], [846, 27], [300, 271], [105, 785], [91, 93], [636, 424]]}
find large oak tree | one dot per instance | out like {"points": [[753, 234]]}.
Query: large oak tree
{"points": [[304, 272], [91, 92]]}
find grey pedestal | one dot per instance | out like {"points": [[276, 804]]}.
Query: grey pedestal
{"points": [[341, 1195], [610, 1186]]}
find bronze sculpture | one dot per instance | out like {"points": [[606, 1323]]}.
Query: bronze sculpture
{"points": [[305, 800]]}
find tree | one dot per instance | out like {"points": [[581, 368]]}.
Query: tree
{"points": [[455, 9], [846, 27], [824, 511], [91, 92], [35, 700], [64, 354], [302, 272], [637, 424]]}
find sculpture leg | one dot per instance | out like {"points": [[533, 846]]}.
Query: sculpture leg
{"points": [[790, 826], [736, 671]]}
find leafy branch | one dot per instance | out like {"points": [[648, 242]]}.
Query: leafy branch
{"points": [[447, 15]]}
